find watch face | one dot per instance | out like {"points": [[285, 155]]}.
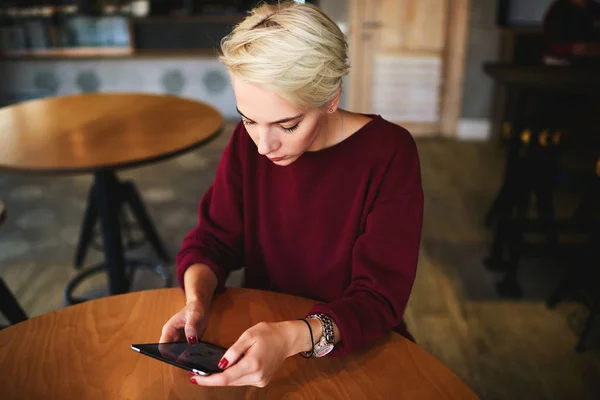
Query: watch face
{"points": [[324, 350]]}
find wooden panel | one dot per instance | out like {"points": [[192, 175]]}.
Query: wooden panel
{"points": [[455, 56], [406, 89], [404, 30], [363, 39], [411, 24], [408, 65]]}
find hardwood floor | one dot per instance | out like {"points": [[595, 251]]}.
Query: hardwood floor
{"points": [[517, 349]]}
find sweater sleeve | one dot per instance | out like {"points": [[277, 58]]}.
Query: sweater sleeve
{"points": [[384, 257], [217, 239]]}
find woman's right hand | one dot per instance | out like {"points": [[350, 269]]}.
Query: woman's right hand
{"points": [[188, 323]]}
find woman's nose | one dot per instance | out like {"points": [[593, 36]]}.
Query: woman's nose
{"points": [[267, 143]]}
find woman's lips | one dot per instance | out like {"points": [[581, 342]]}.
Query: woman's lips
{"points": [[275, 159]]}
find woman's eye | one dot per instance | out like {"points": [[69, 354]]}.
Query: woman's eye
{"points": [[291, 129]]}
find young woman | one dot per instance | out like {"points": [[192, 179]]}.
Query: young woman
{"points": [[310, 199]]}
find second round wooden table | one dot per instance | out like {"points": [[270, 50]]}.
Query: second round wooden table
{"points": [[101, 134]]}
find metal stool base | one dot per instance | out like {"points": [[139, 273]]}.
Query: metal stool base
{"points": [[131, 266]]}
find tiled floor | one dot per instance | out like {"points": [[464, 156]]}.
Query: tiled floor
{"points": [[503, 349]]}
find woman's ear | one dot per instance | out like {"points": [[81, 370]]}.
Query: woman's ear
{"points": [[334, 104]]}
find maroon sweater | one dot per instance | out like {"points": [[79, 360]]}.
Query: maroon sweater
{"points": [[341, 225]]}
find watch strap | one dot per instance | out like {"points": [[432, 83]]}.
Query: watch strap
{"points": [[325, 344], [328, 333]]}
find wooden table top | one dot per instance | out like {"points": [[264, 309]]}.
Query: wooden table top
{"points": [[82, 352], [84, 133]]}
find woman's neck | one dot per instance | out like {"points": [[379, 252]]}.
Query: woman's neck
{"points": [[331, 131]]}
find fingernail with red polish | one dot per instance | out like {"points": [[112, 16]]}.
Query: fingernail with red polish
{"points": [[191, 373], [223, 363], [193, 381], [192, 340]]}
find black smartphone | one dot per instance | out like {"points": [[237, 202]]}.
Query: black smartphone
{"points": [[201, 358]]}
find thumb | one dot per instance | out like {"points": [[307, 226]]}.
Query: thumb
{"points": [[192, 321], [237, 350]]}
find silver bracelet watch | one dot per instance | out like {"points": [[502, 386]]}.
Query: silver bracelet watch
{"points": [[325, 345]]}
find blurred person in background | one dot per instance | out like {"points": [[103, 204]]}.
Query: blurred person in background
{"points": [[572, 38], [572, 32]]}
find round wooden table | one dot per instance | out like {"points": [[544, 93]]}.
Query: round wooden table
{"points": [[100, 134], [82, 352], [91, 132]]}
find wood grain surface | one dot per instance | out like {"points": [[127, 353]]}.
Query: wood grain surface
{"points": [[83, 133], [82, 352]]}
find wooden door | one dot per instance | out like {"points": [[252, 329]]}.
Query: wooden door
{"points": [[407, 60]]}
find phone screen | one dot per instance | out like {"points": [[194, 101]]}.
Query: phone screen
{"points": [[202, 357]]}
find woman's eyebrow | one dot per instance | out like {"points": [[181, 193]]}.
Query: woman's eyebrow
{"points": [[274, 122]]}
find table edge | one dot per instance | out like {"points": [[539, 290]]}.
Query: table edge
{"points": [[116, 166]]}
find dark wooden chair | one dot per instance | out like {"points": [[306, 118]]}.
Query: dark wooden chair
{"points": [[8, 304], [544, 126], [535, 144], [581, 280]]}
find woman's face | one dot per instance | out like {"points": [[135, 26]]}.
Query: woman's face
{"points": [[281, 131]]}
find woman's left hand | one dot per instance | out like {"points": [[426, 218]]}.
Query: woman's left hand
{"points": [[259, 352]]}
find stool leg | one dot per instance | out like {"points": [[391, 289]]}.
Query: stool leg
{"points": [[574, 277], [87, 229], [580, 346], [515, 115], [9, 305], [583, 215], [507, 199], [134, 200], [509, 286], [495, 261], [506, 202], [546, 213], [502, 202], [562, 290], [499, 203], [109, 197]]}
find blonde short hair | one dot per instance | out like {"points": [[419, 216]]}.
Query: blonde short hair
{"points": [[292, 49]]}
